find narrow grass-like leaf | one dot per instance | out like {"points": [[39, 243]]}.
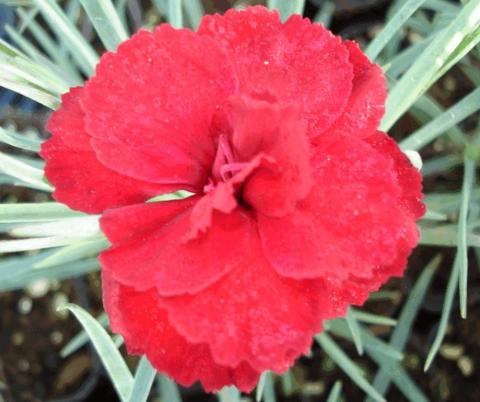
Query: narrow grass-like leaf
{"points": [[15, 168], [36, 212], [269, 390], [25, 45], [20, 265], [174, 13], [409, 312], [121, 8], [81, 338], [443, 18], [168, 390], [23, 70], [468, 43], [403, 60], [471, 71], [406, 385], [143, 381], [462, 246], [136, 13], [57, 272], [454, 115], [440, 164], [425, 109], [21, 141], [401, 332], [46, 99], [384, 295], [31, 161], [287, 7], [265, 389], [80, 49], [161, 6], [325, 14], [12, 181], [355, 331], [111, 358], [229, 394], [434, 216], [118, 341], [392, 27], [400, 378], [63, 65], [73, 252], [177, 195], [340, 328], [448, 202], [85, 226], [380, 348], [6, 49], [106, 22], [347, 365], [335, 393], [194, 11], [44, 72], [260, 387], [16, 3], [372, 318], [419, 77], [393, 46], [288, 383], [37, 243], [441, 5], [446, 236], [72, 10], [421, 24]]}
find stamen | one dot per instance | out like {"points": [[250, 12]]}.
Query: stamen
{"points": [[209, 186], [224, 165], [226, 149], [231, 168]]}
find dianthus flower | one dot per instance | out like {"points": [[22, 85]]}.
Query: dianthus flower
{"points": [[300, 206]]}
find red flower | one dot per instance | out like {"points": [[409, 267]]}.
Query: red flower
{"points": [[300, 206]]}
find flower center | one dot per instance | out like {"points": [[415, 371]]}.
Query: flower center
{"points": [[224, 166]]}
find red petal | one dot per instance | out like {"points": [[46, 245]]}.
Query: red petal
{"points": [[297, 61], [351, 291], [147, 330], [252, 314], [80, 180], [125, 224], [355, 290], [276, 131], [352, 223], [150, 105], [409, 177], [163, 254], [221, 199], [270, 143], [366, 104]]}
